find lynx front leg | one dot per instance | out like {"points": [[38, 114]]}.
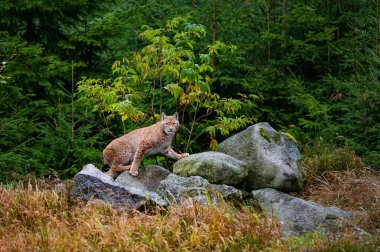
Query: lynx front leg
{"points": [[139, 155], [171, 153]]}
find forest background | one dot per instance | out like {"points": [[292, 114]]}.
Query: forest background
{"points": [[75, 74]]}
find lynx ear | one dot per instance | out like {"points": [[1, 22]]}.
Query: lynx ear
{"points": [[163, 116], [175, 116]]}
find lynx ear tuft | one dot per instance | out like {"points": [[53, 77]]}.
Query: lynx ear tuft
{"points": [[163, 116], [175, 116]]}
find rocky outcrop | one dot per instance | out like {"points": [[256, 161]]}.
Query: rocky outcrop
{"points": [[91, 183], [216, 167], [273, 160], [175, 188], [256, 158], [154, 184], [297, 216]]}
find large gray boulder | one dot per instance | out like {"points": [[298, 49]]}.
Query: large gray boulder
{"points": [[216, 167], [148, 180], [91, 183], [175, 188], [273, 160], [297, 216]]}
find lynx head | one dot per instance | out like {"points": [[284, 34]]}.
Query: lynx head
{"points": [[170, 123]]}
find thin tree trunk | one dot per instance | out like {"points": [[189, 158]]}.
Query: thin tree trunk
{"points": [[378, 26], [160, 92], [154, 87], [72, 102], [283, 11], [192, 128], [283, 14], [354, 46], [339, 58], [328, 44], [283, 22], [213, 29], [268, 30], [30, 33], [377, 34]]}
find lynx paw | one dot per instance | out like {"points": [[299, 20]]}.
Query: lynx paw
{"points": [[184, 155], [112, 174], [133, 173]]}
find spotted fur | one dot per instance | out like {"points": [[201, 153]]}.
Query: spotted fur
{"points": [[127, 152]]}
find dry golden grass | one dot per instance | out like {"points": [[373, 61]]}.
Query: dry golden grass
{"points": [[338, 177], [354, 191], [36, 218], [42, 220], [321, 159]]}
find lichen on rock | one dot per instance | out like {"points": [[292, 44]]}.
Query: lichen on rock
{"points": [[265, 135], [216, 167]]}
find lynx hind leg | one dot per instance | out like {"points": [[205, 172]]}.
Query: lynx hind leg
{"points": [[120, 168], [120, 162]]}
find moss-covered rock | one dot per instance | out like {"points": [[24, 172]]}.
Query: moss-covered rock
{"points": [[216, 167], [176, 188], [265, 135], [273, 160]]}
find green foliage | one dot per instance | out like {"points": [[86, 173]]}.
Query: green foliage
{"points": [[313, 115], [312, 65], [170, 62], [43, 148], [38, 128]]}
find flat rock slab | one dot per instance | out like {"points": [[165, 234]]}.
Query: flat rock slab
{"points": [[175, 188], [216, 167], [91, 183], [273, 160], [148, 180], [296, 215]]}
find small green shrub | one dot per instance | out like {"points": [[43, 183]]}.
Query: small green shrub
{"points": [[320, 157]]}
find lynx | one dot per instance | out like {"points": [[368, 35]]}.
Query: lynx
{"points": [[126, 152]]}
